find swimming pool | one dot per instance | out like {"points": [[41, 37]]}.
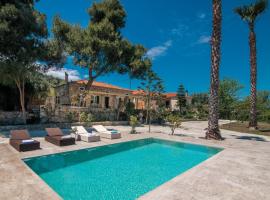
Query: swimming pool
{"points": [[118, 171]]}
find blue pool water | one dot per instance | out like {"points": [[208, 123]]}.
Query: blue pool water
{"points": [[122, 171]]}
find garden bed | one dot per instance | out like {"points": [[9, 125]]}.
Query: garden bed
{"points": [[264, 128]]}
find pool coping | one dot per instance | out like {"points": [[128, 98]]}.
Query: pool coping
{"points": [[220, 149], [120, 142], [226, 175]]}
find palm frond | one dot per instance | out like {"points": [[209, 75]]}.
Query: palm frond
{"points": [[250, 12]]}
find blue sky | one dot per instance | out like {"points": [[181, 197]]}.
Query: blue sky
{"points": [[176, 33]]}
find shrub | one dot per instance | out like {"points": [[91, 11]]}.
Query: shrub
{"points": [[70, 116], [86, 118], [90, 118], [174, 122], [133, 123], [83, 117]]}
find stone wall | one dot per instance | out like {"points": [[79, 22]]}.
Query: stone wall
{"points": [[60, 125], [62, 114], [10, 118]]}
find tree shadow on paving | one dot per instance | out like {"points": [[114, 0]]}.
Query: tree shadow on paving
{"points": [[254, 138]]}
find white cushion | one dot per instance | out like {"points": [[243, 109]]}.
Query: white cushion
{"points": [[27, 141], [66, 136], [80, 129], [100, 128]]}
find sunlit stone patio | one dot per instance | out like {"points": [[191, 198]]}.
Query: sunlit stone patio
{"points": [[240, 171]]}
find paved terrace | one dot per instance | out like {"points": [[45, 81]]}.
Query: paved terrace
{"points": [[241, 171]]}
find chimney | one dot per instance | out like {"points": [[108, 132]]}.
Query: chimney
{"points": [[186, 93], [66, 77]]}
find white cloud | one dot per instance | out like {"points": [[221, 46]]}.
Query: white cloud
{"points": [[201, 15], [204, 39], [157, 51], [73, 75], [180, 30]]}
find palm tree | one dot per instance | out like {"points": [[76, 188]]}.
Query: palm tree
{"points": [[249, 14], [213, 129]]}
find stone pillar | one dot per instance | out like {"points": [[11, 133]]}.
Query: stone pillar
{"points": [[101, 101]]}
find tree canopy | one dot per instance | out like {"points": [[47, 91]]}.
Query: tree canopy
{"points": [[100, 46], [249, 13], [23, 45], [228, 97], [152, 87]]}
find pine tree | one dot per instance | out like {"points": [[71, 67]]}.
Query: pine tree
{"points": [[181, 98]]}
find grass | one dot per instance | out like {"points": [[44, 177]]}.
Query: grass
{"points": [[264, 128]]}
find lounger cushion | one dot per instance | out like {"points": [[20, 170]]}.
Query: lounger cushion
{"points": [[54, 132], [19, 135], [66, 137], [27, 141], [79, 129], [100, 128]]}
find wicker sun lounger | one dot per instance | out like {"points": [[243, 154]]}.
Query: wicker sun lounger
{"points": [[84, 135], [105, 133], [56, 136], [21, 141]]}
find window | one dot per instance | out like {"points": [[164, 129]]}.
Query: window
{"points": [[107, 102], [95, 100], [168, 104], [57, 100]]}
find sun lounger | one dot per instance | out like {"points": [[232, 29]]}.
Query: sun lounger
{"points": [[84, 135], [105, 133], [21, 141], [56, 136]]}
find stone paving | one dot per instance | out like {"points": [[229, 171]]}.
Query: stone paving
{"points": [[240, 171]]}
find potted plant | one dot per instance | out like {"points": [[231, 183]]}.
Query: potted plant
{"points": [[133, 123], [76, 135]]}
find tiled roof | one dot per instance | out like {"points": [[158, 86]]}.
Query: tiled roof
{"points": [[138, 92], [170, 95], [101, 84], [109, 86]]}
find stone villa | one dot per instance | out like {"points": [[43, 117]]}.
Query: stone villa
{"points": [[171, 101], [104, 96]]}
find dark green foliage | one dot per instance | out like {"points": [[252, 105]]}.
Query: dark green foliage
{"points": [[181, 98], [228, 96], [100, 46], [22, 29], [250, 12], [200, 98], [23, 33], [199, 106], [241, 108], [130, 109], [71, 117]]}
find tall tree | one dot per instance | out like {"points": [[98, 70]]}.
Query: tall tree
{"points": [[23, 42], [100, 47], [152, 87], [213, 128], [249, 14], [181, 98], [228, 97]]}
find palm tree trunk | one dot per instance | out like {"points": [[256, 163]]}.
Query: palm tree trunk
{"points": [[213, 128], [253, 78]]}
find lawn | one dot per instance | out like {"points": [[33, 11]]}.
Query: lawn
{"points": [[264, 128]]}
